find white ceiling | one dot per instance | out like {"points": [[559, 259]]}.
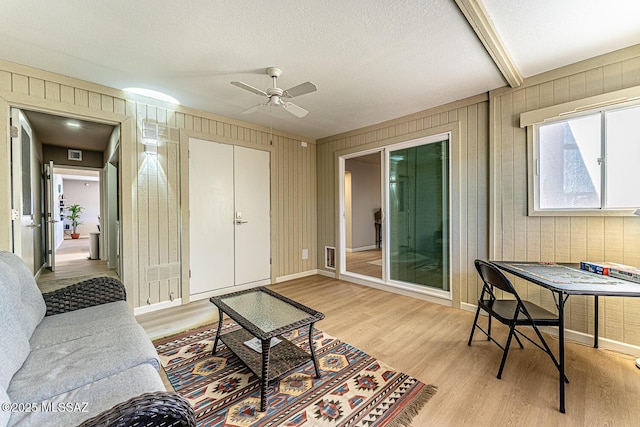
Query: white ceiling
{"points": [[372, 60]]}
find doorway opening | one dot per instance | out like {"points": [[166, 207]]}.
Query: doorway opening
{"points": [[363, 214], [81, 188], [57, 162]]}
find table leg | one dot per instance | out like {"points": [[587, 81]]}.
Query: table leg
{"points": [[264, 382], [561, 348], [313, 351], [595, 322], [215, 342]]}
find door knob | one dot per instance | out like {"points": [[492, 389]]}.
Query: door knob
{"points": [[240, 222]]}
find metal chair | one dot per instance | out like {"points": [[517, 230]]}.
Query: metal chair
{"points": [[512, 312]]}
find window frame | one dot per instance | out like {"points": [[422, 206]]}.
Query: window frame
{"points": [[533, 177]]}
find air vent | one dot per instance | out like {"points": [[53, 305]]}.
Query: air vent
{"points": [[74, 155], [154, 131], [330, 257]]}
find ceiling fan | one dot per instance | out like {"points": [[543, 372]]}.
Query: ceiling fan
{"points": [[276, 94]]}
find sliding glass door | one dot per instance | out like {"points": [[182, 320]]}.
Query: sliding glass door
{"points": [[409, 217], [418, 213]]}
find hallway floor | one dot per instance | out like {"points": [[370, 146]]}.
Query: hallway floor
{"points": [[73, 265]]}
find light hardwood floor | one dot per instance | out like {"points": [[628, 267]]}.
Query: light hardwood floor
{"points": [[367, 263], [429, 342], [72, 261]]}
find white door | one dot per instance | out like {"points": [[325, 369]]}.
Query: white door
{"points": [[51, 217], [253, 222], [211, 223], [229, 208], [22, 204]]}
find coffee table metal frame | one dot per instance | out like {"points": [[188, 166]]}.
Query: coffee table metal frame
{"points": [[271, 362]]}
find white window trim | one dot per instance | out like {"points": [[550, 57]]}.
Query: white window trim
{"points": [[591, 105]]}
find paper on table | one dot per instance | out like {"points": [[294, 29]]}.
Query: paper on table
{"points": [[256, 345]]}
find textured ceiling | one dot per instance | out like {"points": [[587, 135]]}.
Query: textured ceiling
{"points": [[372, 60], [542, 35]]}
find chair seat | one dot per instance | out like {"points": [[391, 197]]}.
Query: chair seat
{"points": [[504, 310]]}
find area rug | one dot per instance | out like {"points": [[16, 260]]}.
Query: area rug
{"points": [[354, 389]]}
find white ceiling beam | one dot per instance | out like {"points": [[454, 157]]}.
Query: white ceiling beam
{"points": [[479, 20]]}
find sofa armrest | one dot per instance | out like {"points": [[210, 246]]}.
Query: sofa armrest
{"points": [[148, 409], [88, 293]]}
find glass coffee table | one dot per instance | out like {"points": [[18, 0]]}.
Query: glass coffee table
{"points": [[266, 315]]}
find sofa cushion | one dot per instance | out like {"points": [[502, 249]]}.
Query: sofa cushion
{"points": [[60, 368], [25, 293], [13, 336], [4, 415], [99, 396], [14, 349], [81, 323]]}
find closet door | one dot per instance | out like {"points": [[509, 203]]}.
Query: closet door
{"points": [[252, 219], [211, 222], [230, 222]]}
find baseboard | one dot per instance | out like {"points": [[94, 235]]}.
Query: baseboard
{"points": [[378, 284], [362, 249], [603, 343], [296, 275], [327, 273], [468, 307], [576, 336]]}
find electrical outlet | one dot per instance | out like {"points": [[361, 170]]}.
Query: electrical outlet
{"points": [[305, 254]]}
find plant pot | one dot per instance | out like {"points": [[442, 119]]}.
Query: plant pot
{"points": [[75, 235]]}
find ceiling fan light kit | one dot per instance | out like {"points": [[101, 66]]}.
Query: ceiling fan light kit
{"points": [[275, 94]]}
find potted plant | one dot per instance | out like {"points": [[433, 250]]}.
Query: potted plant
{"points": [[74, 216]]}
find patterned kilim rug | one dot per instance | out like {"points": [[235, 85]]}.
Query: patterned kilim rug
{"points": [[354, 389]]}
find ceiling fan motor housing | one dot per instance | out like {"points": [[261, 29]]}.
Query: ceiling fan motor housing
{"points": [[274, 72]]}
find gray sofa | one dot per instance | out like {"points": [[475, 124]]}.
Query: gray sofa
{"points": [[77, 356]]}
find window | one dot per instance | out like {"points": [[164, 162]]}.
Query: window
{"points": [[588, 162]]}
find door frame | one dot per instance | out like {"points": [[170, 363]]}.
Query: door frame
{"points": [[184, 200], [24, 227], [127, 171], [457, 247]]}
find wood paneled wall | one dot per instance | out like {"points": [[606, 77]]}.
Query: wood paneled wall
{"points": [[469, 187], [151, 200], [516, 236]]}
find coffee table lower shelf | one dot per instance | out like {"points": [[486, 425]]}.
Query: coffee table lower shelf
{"points": [[283, 357]]}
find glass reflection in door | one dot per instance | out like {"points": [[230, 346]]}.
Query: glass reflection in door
{"points": [[419, 215]]}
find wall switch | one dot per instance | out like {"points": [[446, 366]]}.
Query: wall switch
{"points": [[305, 254]]}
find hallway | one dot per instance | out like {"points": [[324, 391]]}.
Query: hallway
{"points": [[73, 265]]}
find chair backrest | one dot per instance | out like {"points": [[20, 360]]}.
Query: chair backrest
{"points": [[492, 276]]}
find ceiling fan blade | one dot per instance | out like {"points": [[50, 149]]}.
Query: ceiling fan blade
{"points": [[301, 89], [253, 109], [294, 109], [250, 88]]}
